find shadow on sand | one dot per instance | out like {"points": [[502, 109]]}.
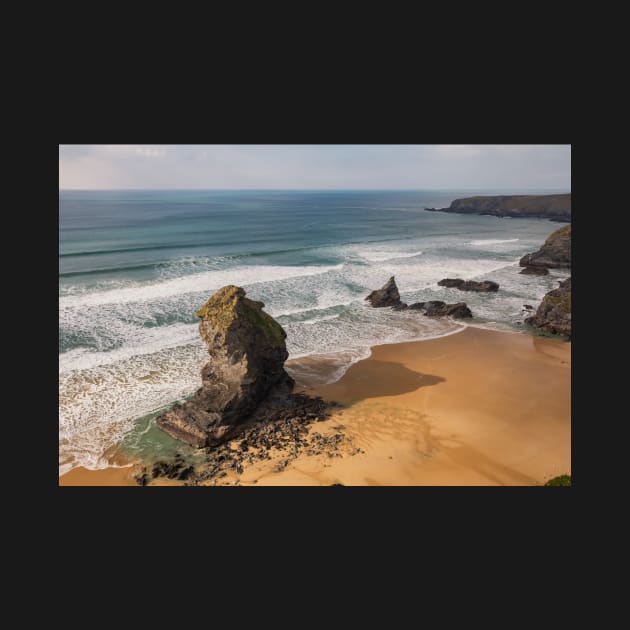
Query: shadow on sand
{"points": [[372, 379]]}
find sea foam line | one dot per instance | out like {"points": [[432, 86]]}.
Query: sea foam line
{"points": [[382, 256], [493, 241], [194, 283]]}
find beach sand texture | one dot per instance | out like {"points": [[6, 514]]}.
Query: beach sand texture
{"points": [[479, 407]]}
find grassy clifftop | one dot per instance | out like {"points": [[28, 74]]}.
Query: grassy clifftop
{"points": [[557, 207]]}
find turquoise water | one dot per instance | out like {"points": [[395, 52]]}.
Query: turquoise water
{"points": [[135, 265]]}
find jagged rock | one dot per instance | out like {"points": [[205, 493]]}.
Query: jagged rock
{"points": [[175, 468], [387, 295], [555, 253], [247, 353], [469, 285], [554, 313], [280, 426], [437, 308], [535, 271]]}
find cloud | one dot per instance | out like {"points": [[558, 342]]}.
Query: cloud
{"points": [[315, 166], [150, 152], [458, 150]]}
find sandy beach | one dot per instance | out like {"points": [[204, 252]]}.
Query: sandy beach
{"points": [[479, 407]]}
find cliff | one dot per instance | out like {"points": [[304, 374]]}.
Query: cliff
{"points": [[554, 254], [555, 207]]}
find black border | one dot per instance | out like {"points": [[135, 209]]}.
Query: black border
{"points": [[455, 114]]}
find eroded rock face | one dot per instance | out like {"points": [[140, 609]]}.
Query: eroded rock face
{"points": [[437, 308], [554, 254], [554, 313], [469, 285], [247, 353], [387, 295]]}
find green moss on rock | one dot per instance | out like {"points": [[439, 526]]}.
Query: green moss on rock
{"points": [[264, 322], [561, 233], [229, 303], [563, 300]]}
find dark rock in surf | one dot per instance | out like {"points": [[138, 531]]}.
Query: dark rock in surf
{"points": [[400, 307], [534, 271], [437, 308], [469, 285], [387, 295]]}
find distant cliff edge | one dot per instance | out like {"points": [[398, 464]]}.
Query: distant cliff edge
{"points": [[554, 207]]}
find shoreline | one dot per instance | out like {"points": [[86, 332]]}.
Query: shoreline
{"points": [[472, 407]]}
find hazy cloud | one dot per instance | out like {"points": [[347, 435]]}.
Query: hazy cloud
{"points": [[315, 166]]}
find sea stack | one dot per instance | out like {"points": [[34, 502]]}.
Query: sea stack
{"points": [[387, 295], [554, 254], [247, 353]]}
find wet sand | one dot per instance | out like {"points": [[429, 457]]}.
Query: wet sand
{"points": [[106, 477], [476, 408]]}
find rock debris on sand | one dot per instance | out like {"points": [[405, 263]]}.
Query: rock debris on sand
{"points": [[283, 434]]}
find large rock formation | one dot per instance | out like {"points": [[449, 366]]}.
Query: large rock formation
{"points": [[554, 313], [555, 253], [469, 285], [247, 353], [555, 207], [437, 308], [387, 295]]}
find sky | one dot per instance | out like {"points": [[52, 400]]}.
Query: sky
{"points": [[307, 167]]}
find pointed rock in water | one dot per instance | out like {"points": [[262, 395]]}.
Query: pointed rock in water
{"points": [[554, 313], [247, 353], [469, 285], [387, 295], [554, 254]]}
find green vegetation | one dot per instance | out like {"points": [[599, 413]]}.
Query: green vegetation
{"points": [[563, 300], [269, 326], [220, 307], [557, 234], [230, 302], [562, 480]]}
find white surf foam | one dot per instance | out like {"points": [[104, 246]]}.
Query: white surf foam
{"points": [[382, 256], [194, 283], [493, 241], [144, 341]]}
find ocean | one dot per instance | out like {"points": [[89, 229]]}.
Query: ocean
{"points": [[135, 265]]}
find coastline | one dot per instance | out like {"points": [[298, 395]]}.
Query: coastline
{"points": [[478, 407]]}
